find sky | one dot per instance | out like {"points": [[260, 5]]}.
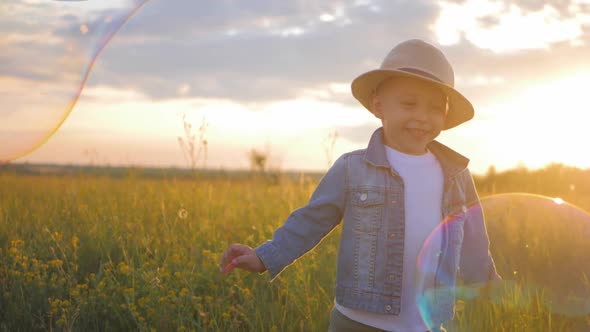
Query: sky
{"points": [[275, 77]]}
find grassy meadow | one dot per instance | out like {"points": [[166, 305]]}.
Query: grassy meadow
{"points": [[83, 252]]}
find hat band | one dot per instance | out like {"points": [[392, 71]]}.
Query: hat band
{"points": [[421, 73]]}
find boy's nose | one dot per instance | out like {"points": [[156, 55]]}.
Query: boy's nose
{"points": [[421, 113]]}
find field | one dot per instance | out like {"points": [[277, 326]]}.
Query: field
{"points": [[95, 252]]}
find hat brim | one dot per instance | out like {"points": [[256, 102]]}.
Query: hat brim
{"points": [[363, 87]]}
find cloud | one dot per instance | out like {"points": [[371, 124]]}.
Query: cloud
{"points": [[515, 72], [507, 26], [264, 51], [237, 52]]}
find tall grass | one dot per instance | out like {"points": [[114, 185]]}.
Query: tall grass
{"points": [[98, 253]]}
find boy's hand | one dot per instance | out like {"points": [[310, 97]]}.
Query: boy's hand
{"points": [[240, 256]]}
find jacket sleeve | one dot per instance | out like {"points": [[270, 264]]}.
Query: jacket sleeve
{"points": [[476, 264], [308, 225]]}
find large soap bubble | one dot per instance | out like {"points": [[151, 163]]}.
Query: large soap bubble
{"points": [[48, 48], [541, 249]]}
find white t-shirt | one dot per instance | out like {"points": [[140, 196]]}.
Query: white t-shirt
{"points": [[423, 182]]}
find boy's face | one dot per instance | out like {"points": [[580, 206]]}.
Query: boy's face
{"points": [[412, 112]]}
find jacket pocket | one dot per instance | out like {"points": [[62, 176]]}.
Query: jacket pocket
{"points": [[367, 209]]}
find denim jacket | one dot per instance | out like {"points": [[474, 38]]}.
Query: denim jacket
{"points": [[363, 191]]}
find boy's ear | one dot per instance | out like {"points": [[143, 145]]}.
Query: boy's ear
{"points": [[377, 106]]}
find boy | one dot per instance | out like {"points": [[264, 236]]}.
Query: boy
{"points": [[391, 196]]}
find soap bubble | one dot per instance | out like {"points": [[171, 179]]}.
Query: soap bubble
{"points": [[541, 249], [48, 49]]}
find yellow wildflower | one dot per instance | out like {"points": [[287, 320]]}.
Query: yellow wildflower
{"points": [[124, 268], [75, 242], [55, 263]]}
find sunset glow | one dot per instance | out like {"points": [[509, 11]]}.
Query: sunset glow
{"points": [[279, 83]]}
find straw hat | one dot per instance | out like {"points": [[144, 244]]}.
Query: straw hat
{"points": [[418, 59]]}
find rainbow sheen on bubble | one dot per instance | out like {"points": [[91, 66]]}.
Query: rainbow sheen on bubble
{"points": [[48, 49], [541, 249]]}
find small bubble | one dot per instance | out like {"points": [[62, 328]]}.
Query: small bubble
{"points": [[182, 214], [558, 200]]}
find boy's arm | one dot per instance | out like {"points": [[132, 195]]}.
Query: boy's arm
{"points": [[307, 226], [476, 265]]}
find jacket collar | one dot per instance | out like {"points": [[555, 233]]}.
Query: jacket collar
{"points": [[451, 162]]}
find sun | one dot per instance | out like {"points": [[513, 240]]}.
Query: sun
{"points": [[544, 124]]}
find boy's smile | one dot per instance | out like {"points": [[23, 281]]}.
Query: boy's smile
{"points": [[412, 112]]}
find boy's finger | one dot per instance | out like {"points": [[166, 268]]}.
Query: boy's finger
{"points": [[232, 257], [227, 269], [233, 263], [237, 250], [228, 254]]}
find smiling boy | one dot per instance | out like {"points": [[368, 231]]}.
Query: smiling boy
{"points": [[390, 197]]}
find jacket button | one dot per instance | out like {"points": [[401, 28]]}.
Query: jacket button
{"points": [[392, 236], [392, 277], [363, 197], [388, 307]]}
